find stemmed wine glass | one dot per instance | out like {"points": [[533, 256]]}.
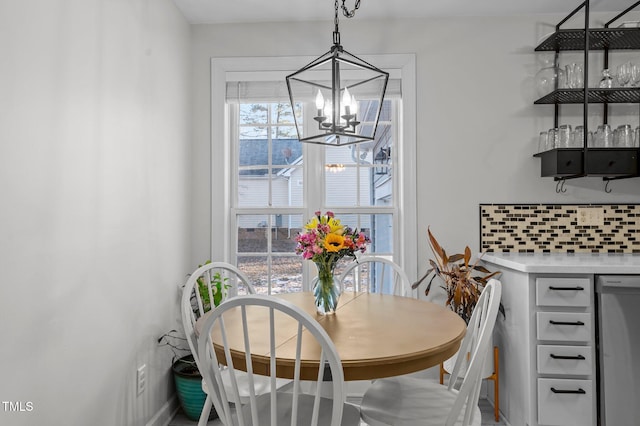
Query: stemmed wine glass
{"points": [[635, 75], [624, 74]]}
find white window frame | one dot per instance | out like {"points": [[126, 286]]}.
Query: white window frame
{"points": [[405, 224]]}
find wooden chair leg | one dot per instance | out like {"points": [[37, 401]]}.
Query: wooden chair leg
{"points": [[441, 374], [496, 376]]}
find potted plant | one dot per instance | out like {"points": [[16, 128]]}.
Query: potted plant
{"points": [[187, 377], [463, 281], [219, 288]]}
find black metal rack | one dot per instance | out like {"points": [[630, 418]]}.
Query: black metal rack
{"points": [[599, 39], [622, 95], [609, 163]]}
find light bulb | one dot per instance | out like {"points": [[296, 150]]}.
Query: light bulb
{"points": [[354, 105], [320, 103], [346, 101], [328, 111]]}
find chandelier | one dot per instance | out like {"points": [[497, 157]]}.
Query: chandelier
{"points": [[338, 82]]}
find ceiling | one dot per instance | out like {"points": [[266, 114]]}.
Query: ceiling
{"points": [[234, 11]]}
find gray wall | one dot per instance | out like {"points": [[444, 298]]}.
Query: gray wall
{"points": [[98, 102], [477, 125], [94, 223]]}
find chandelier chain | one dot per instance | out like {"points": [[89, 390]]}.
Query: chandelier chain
{"points": [[346, 12], [350, 13]]}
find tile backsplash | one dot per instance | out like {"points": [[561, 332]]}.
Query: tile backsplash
{"points": [[560, 228]]}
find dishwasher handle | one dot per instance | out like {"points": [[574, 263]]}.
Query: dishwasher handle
{"points": [[627, 284]]}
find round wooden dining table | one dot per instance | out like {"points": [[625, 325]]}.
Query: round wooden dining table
{"points": [[376, 336]]}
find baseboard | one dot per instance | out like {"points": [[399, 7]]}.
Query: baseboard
{"points": [[502, 417], [165, 413]]}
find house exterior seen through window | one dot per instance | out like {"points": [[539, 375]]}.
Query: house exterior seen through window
{"points": [[275, 190]]}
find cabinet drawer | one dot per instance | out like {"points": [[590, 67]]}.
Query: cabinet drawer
{"points": [[612, 161], [565, 402], [564, 326], [563, 292], [565, 360]]}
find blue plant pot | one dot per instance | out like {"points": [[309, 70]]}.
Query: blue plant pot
{"points": [[189, 387]]}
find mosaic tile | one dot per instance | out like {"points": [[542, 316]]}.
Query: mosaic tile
{"points": [[560, 228]]}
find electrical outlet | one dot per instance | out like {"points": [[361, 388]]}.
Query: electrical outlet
{"points": [[590, 216], [141, 379]]}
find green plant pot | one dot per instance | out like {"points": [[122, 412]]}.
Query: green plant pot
{"points": [[189, 387]]}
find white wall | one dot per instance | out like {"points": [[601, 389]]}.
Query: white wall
{"points": [[477, 125], [94, 223]]}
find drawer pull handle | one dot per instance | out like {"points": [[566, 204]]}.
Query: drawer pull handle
{"points": [[577, 288], [566, 356], [565, 322], [579, 390]]}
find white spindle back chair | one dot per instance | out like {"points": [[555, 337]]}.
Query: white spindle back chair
{"points": [[408, 400], [372, 273], [276, 408], [193, 308]]}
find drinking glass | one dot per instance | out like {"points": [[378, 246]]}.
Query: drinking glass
{"points": [[635, 75], [543, 142], [604, 137], [624, 74], [624, 136], [574, 75], [552, 138], [607, 81], [578, 138], [636, 137], [590, 140], [564, 134]]}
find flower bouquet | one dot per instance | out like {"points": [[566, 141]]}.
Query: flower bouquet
{"points": [[325, 241]]}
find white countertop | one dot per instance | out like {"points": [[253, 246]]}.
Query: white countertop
{"points": [[568, 263]]}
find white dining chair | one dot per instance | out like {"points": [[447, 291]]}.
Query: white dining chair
{"points": [[276, 408], [373, 274], [193, 307], [376, 274], [406, 400]]}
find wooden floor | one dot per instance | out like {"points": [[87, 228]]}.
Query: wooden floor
{"points": [[487, 417]]}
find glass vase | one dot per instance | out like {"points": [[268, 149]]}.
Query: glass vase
{"points": [[549, 78], [326, 288]]}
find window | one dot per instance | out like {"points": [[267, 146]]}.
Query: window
{"points": [[276, 183], [269, 173]]}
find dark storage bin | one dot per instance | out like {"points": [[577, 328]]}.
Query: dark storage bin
{"points": [[561, 162]]}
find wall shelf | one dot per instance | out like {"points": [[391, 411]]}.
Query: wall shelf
{"points": [[618, 95], [599, 39], [608, 163]]}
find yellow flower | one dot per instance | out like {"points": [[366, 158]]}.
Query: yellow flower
{"points": [[334, 242], [312, 224], [335, 226]]}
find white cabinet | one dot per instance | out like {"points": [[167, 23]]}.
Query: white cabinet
{"points": [[547, 348], [565, 402]]}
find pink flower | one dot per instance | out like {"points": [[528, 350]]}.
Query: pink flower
{"points": [[329, 214]]}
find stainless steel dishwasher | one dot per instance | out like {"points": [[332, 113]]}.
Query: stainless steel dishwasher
{"points": [[619, 349]]}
